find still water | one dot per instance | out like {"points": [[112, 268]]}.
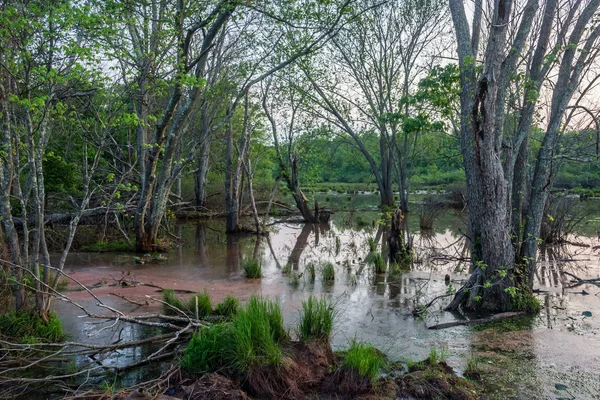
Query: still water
{"points": [[559, 346]]}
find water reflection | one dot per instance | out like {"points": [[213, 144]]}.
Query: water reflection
{"points": [[372, 307]]}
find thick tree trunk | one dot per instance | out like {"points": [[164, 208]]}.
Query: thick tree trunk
{"points": [[486, 187]]}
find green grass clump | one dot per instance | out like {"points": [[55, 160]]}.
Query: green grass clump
{"points": [[228, 307], [251, 340], [252, 268], [376, 259], [294, 279], [316, 319], [29, 327], [372, 245], [173, 305], [328, 272], [311, 271], [112, 246], [204, 305], [436, 356], [287, 268], [364, 359], [208, 350]]}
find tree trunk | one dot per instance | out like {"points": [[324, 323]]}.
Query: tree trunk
{"points": [[201, 174]]}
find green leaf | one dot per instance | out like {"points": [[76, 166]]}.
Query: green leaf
{"points": [[560, 386]]}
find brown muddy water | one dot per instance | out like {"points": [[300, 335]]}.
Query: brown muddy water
{"points": [[522, 360]]}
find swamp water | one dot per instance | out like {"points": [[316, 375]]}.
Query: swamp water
{"points": [[524, 361]]}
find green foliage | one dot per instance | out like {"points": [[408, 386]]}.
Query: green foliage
{"points": [[59, 175], [328, 272], [364, 359], [29, 327], [252, 268], [523, 300], [294, 279], [115, 246], [316, 319], [251, 340], [228, 307]]}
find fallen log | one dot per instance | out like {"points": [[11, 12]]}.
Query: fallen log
{"points": [[65, 218], [493, 318]]}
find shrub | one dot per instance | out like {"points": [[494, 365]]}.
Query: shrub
{"points": [[316, 319], [328, 272], [228, 307], [363, 359], [29, 327], [252, 268]]}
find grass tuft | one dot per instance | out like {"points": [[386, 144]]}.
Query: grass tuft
{"points": [[174, 305], [376, 259], [364, 359], [311, 271], [316, 319], [251, 340], [228, 307], [328, 272], [29, 327], [252, 268]]}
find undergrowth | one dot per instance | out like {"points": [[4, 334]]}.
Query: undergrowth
{"points": [[29, 327]]}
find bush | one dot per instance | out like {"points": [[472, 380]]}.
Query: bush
{"points": [[251, 340], [252, 268], [228, 307], [316, 320], [29, 327], [363, 359], [328, 272]]}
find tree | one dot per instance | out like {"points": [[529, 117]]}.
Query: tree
{"points": [[499, 280], [366, 71], [44, 87]]}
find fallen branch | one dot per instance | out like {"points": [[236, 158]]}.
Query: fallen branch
{"points": [[493, 318]]}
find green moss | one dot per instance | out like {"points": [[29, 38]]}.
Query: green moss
{"points": [[29, 327]]}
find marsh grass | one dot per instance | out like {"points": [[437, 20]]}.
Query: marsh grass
{"points": [[377, 261], [311, 271], [364, 359], [174, 304], [328, 272], [316, 319], [252, 268], [228, 307], [251, 340], [29, 327]]}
